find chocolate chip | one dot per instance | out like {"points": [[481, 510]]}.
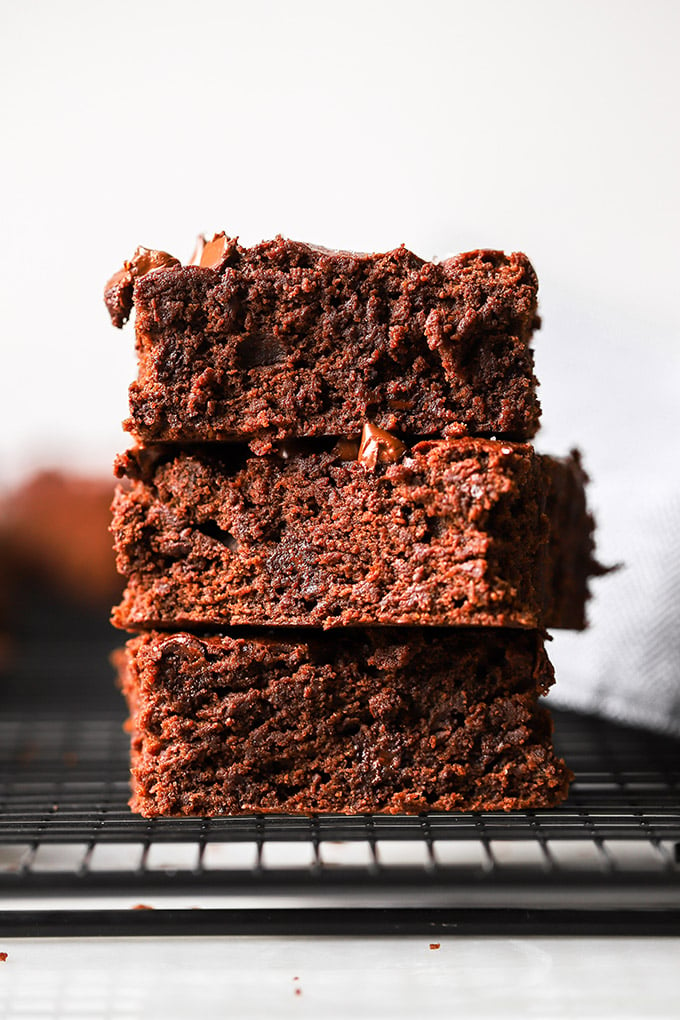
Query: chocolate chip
{"points": [[145, 260], [211, 254], [346, 449], [400, 405], [378, 446], [118, 291], [118, 297]]}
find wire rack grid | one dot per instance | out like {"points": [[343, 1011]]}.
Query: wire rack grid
{"points": [[74, 860]]}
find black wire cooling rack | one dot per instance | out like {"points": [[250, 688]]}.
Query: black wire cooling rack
{"points": [[74, 860]]}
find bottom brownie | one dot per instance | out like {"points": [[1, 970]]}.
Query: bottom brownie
{"points": [[387, 720]]}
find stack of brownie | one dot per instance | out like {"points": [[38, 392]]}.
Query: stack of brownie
{"points": [[341, 550]]}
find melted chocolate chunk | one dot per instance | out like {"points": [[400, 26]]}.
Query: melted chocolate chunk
{"points": [[346, 449], [378, 446], [118, 291], [212, 254]]}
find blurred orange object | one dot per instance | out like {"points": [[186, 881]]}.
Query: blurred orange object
{"points": [[54, 533]]}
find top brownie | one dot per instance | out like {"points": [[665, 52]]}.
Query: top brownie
{"points": [[289, 340]]}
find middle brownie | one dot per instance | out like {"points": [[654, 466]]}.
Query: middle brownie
{"points": [[455, 532]]}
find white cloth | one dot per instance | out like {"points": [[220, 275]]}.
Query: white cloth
{"points": [[617, 396], [627, 665]]}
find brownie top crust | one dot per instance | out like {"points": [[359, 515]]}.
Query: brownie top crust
{"points": [[288, 339], [486, 284]]}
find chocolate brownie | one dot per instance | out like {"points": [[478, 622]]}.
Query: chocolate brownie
{"points": [[447, 532], [388, 720], [288, 340]]}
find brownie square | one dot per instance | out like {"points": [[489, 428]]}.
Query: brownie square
{"points": [[454, 532], [286, 339], [387, 720]]}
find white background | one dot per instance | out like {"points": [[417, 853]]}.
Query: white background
{"points": [[542, 126]]}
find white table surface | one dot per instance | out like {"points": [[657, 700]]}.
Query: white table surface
{"points": [[340, 978]]}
